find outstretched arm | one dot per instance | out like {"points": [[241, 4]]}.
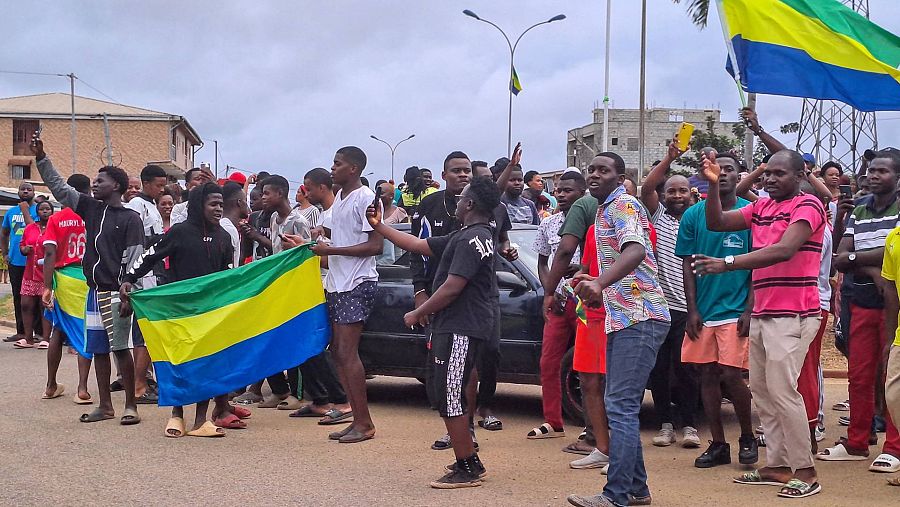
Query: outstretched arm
{"points": [[774, 145], [794, 237], [514, 160], [744, 187], [61, 191], [405, 241], [656, 176]]}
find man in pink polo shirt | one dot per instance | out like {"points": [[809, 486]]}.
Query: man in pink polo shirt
{"points": [[786, 230]]}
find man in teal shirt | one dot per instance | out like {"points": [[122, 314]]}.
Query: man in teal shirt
{"points": [[718, 321], [10, 237]]}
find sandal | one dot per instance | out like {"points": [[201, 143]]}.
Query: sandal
{"points": [[289, 403], [23, 344], [354, 436], [60, 389], [229, 421], [207, 429], [442, 443], [840, 453], [43, 345], [755, 479], [795, 488], [148, 398], [843, 406], [335, 416], [95, 416], [130, 417], [248, 398], [78, 400], [175, 427], [241, 412], [338, 434], [491, 423], [116, 385], [545, 430], [306, 411], [885, 463], [576, 448]]}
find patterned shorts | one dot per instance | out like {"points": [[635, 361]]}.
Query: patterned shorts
{"points": [[107, 331], [454, 359], [31, 288], [352, 306]]}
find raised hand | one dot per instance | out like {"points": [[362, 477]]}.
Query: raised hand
{"points": [[674, 151], [516, 156], [37, 147], [373, 215], [711, 169], [750, 118]]}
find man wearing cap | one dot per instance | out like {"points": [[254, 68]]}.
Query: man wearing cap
{"points": [[810, 161]]}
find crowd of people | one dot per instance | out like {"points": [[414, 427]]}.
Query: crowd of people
{"points": [[682, 286]]}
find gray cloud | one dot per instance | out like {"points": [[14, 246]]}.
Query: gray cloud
{"points": [[281, 85]]}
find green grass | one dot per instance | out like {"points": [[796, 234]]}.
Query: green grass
{"points": [[6, 308]]}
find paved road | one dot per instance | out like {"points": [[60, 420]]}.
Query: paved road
{"points": [[52, 459]]}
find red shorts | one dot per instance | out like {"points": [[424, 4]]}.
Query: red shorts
{"points": [[590, 347], [718, 344]]}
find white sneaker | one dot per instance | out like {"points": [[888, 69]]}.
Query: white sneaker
{"points": [[595, 459], [691, 438], [820, 434], [666, 436]]}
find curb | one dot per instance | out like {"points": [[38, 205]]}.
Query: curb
{"points": [[834, 373], [8, 323]]}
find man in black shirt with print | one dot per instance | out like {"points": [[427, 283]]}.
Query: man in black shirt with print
{"points": [[460, 312]]}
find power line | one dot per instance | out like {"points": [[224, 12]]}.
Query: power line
{"points": [[98, 91], [30, 73]]}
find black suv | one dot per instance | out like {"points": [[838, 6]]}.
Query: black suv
{"points": [[390, 348]]}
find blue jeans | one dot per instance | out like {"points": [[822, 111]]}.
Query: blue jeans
{"points": [[630, 356]]}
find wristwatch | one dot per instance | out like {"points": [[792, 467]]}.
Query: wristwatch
{"points": [[729, 261], [851, 257]]}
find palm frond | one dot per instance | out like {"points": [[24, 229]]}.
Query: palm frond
{"points": [[698, 9]]}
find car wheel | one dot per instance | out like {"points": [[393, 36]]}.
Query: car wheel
{"points": [[571, 389]]}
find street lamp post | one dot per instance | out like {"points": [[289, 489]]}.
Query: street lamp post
{"points": [[393, 149], [512, 54]]}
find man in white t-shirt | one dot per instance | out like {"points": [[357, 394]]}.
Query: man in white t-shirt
{"points": [[193, 178], [351, 282], [234, 209], [153, 183]]}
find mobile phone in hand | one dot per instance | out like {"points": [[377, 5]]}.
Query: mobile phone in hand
{"points": [[377, 197], [846, 192]]}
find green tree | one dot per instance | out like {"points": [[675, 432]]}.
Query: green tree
{"points": [[699, 11]]}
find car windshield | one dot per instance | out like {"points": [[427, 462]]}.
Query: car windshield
{"points": [[523, 241]]}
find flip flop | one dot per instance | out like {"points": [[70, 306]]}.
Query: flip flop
{"points": [[23, 344], [79, 401], [270, 402], [13, 338], [843, 406], [230, 421], [839, 453], [175, 427], [795, 488], [353, 437], [95, 416], [755, 479], [130, 417], [305, 411], [241, 412], [574, 448], [338, 434], [116, 385], [43, 345], [889, 464], [289, 403], [60, 389], [335, 416], [208, 430], [247, 398]]}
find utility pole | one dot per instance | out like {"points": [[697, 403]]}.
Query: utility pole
{"points": [[216, 156], [606, 80], [640, 174], [109, 159], [71, 77]]}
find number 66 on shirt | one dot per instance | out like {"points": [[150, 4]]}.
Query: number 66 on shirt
{"points": [[66, 231]]}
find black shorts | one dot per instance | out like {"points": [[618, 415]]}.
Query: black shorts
{"points": [[454, 358]]}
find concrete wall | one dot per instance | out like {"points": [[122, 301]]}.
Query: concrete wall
{"points": [[134, 144], [661, 125]]}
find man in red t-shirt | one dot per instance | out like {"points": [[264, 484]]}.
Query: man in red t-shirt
{"points": [[64, 244]]}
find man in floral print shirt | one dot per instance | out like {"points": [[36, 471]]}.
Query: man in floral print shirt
{"points": [[637, 321]]}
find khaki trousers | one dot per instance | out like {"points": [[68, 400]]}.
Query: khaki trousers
{"points": [[778, 348], [892, 385]]}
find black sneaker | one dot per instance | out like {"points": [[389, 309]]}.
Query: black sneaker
{"points": [[749, 451], [457, 479], [452, 467], [717, 454]]}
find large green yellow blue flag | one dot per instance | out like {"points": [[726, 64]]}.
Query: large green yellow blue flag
{"points": [[213, 334], [818, 49]]}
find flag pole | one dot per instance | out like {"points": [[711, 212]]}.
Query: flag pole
{"points": [[731, 53]]}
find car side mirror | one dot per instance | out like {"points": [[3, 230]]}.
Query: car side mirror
{"points": [[511, 281]]}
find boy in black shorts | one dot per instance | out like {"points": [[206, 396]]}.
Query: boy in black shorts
{"points": [[460, 313]]}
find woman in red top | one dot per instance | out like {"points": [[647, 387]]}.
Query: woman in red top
{"points": [[32, 246]]}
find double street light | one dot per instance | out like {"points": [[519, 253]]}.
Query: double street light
{"points": [[512, 54], [393, 149]]}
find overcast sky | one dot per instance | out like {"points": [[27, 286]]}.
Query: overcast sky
{"points": [[281, 85]]}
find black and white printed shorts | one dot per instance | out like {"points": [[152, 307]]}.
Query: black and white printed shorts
{"points": [[352, 306], [454, 358]]}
